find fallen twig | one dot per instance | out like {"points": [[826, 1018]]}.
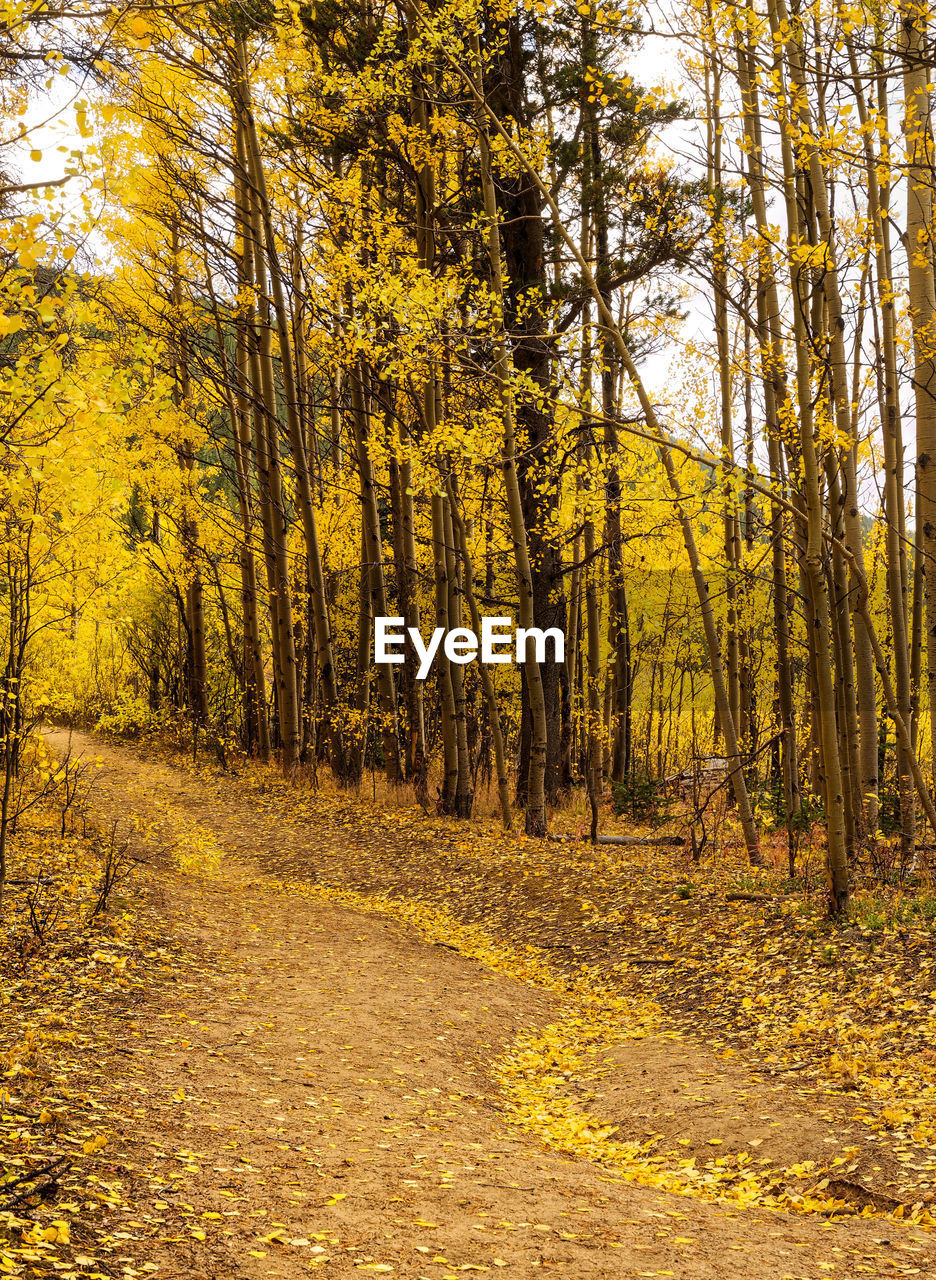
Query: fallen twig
{"points": [[45, 1176], [669, 841]]}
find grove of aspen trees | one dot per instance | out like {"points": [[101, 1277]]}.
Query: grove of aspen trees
{"points": [[444, 311]]}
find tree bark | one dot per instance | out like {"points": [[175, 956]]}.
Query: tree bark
{"points": [[918, 137], [532, 674], [500, 756], [294, 430], [443, 667]]}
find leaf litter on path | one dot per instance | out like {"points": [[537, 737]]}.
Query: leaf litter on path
{"points": [[342, 1081]]}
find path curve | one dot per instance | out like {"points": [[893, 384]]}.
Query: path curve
{"points": [[326, 1074]]}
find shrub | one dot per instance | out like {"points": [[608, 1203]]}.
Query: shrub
{"points": [[639, 797]]}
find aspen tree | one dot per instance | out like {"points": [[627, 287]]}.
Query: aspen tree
{"points": [[236, 398], [443, 666], [297, 449], [194, 600], [920, 153], [373, 561], [487, 684], [463, 794], [594, 186], [267, 455], [774, 384], [732, 539], [812, 547], [878, 195], [592, 658], [801, 121]]}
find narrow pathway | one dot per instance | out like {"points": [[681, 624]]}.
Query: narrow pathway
{"points": [[315, 1098]]}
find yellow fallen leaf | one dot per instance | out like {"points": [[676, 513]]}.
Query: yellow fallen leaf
{"points": [[339, 1195]]}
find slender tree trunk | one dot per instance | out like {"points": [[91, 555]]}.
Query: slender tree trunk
{"points": [[731, 531], [500, 756], [236, 395], [918, 135], [774, 382], [536, 793], [374, 559], [886, 365], [817, 598], [463, 792], [362, 688], [847, 713], [250, 399], [571, 658], [294, 426], [407, 676], [443, 667], [267, 453], [194, 602], [812, 162], [618, 688]]}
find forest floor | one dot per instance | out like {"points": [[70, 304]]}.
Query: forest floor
{"points": [[314, 1034]]}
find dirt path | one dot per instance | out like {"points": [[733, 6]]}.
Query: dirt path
{"points": [[316, 1097]]}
